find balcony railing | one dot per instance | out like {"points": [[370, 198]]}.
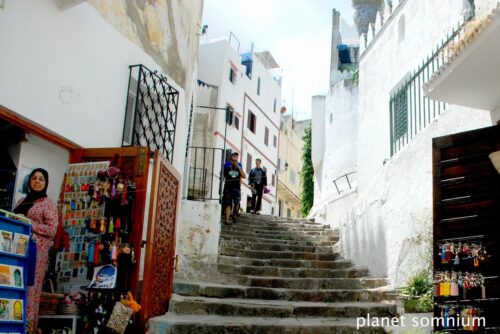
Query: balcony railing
{"points": [[204, 180], [344, 182], [410, 110], [151, 112]]}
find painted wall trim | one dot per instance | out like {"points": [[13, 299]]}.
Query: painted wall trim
{"points": [[36, 129]]}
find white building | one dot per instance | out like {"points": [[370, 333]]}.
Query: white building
{"points": [[385, 220], [245, 84]]}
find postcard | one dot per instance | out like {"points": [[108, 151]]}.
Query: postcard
{"points": [[5, 275], [17, 277], [6, 245], [16, 309], [4, 309], [20, 243], [104, 277]]}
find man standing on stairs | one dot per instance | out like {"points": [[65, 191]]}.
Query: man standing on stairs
{"points": [[231, 196], [257, 180]]}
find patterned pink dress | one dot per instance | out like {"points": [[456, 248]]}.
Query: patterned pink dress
{"points": [[43, 213]]}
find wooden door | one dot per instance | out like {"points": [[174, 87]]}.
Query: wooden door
{"points": [[135, 165], [467, 211], [160, 245]]}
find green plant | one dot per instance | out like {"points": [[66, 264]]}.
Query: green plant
{"points": [[417, 294], [307, 174]]}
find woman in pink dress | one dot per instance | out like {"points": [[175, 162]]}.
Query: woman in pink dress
{"points": [[43, 213]]}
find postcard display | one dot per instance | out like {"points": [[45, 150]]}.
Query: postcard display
{"points": [[14, 241], [96, 211]]}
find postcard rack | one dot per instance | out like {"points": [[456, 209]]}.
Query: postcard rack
{"points": [[14, 242]]}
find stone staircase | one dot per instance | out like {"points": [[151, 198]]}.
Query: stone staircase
{"points": [[281, 276]]}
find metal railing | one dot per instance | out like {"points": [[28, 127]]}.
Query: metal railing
{"points": [[410, 110], [204, 179], [151, 111], [337, 182]]}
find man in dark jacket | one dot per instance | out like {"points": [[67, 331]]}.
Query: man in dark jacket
{"points": [[231, 196], [257, 180]]}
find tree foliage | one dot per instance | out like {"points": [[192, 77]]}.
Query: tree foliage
{"points": [[307, 174]]}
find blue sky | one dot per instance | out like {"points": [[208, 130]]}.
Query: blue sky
{"points": [[296, 32]]}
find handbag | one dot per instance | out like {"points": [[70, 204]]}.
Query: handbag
{"points": [[119, 318], [267, 190]]}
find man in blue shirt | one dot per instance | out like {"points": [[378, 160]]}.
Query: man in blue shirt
{"points": [[233, 172]]}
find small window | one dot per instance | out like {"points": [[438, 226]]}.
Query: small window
{"points": [[293, 177], [266, 136], [275, 140], [274, 106], [236, 122], [288, 212], [272, 211], [258, 86], [252, 121], [400, 113], [272, 179], [232, 75], [249, 163]]}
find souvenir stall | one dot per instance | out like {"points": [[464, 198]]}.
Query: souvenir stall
{"points": [[96, 260], [466, 249]]}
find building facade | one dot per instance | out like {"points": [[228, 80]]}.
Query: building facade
{"points": [[386, 222], [239, 100], [290, 166]]}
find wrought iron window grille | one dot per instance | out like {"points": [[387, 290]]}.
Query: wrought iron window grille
{"points": [[151, 111]]}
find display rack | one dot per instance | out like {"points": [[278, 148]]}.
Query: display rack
{"points": [[466, 249], [14, 242]]}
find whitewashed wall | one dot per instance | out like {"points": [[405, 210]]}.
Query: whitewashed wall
{"points": [[387, 224], [318, 142], [198, 233], [71, 76]]}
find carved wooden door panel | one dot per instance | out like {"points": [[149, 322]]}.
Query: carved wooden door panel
{"points": [[135, 166], [160, 259]]}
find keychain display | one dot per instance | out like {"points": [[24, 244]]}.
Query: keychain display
{"points": [[469, 255], [458, 284], [461, 317], [96, 209], [80, 212]]}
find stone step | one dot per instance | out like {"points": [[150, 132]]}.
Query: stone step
{"points": [[291, 272], [225, 232], [281, 227], [311, 283], [274, 219], [256, 230], [173, 323], [275, 247], [257, 254], [284, 263], [187, 288], [277, 241], [281, 309]]}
